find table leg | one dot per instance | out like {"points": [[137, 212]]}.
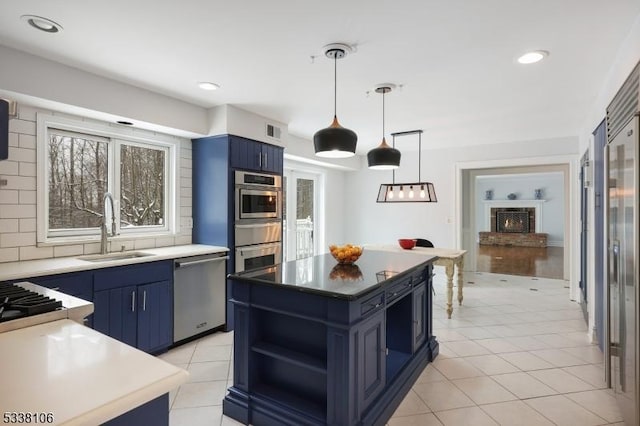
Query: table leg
{"points": [[460, 267], [449, 272]]}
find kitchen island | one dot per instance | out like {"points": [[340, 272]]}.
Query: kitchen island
{"points": [[317, 343]]}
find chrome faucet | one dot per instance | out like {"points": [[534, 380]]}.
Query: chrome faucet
{"points": [[104, 249]]}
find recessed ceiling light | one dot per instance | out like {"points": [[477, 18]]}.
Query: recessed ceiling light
{"points": [[533, 57], [42, 24], [206, 85]]}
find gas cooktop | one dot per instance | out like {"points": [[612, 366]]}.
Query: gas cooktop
{"points": [[18, 302]]}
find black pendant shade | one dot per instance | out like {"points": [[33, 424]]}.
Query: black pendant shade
{"points": [[383, 157], [335, 141]]}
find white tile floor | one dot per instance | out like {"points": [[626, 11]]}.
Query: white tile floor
{"points": [[515, 353]]}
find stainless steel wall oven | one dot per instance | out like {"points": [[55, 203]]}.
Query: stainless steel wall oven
{"points": [[258, 196]]}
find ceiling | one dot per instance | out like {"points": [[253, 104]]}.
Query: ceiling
{"points": [[454, 59]]}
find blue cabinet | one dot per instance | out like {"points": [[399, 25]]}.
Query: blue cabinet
{"points": [[371, 359], [134, 304], [215, 159], [304, 358], [252, 155]]}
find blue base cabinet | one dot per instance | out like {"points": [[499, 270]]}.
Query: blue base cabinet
{"points": [[309, 359], [134, 304], [154, 412]]}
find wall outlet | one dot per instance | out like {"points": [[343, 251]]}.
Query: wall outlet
{"points": [[449, 221], [3, 182]]}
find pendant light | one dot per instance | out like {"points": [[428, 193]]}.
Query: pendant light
{"points": [[335, 141], [413, 192], [383, 157]]}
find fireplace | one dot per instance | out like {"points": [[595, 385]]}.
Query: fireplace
{"points": [[512, 222], [513, 219], [513, 226]]}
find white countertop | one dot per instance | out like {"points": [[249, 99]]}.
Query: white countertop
{"points": [[60, 265], [78, 374]]}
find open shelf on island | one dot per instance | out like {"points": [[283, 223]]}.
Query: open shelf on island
{"points": [[309, 407], [294, 357]]}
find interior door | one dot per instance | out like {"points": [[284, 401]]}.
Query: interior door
{"points": [[584, 235], [300, 216], [623, 269]]}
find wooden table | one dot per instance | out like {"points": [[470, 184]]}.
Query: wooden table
{"points": [[449, 258]]}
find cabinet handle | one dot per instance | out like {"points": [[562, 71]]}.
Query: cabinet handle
{"points": [[260, 160], [377, 305], [144, 300], [133, 301], [266, 159]]}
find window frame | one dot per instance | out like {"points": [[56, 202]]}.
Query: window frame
{"points": [[116, 136]]}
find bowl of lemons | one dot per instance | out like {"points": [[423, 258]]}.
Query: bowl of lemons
{"points": [[346, 254]]}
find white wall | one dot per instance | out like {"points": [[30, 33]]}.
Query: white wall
{"points": [[18, 200], [370, 222], [552, 210], [57, 86]]}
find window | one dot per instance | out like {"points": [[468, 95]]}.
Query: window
{"points": [[82, 165]]}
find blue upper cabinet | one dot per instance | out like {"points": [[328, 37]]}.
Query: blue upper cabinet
{"points": [[252, 155]]}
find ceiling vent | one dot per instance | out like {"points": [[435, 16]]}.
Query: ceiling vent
{"points": [[625, 104], [273, 132]]}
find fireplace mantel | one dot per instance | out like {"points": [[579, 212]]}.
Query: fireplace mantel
{"points": [[489, 204]]}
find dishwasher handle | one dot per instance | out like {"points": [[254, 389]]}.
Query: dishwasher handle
{"points": [[180, 264]]}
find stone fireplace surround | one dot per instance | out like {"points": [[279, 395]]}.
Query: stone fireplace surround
{"points": [[534, 238]]}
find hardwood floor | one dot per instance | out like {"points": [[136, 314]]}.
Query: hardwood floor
{"points": [[528, 261]]}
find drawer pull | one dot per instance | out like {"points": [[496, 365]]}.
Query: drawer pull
{"points": [[377, 305], [133, 301]]}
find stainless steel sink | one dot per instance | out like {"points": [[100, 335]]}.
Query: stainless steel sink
{"points": [[114, 256]]}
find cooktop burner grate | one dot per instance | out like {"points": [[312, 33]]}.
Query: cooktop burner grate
{"points": [[18, 302]]}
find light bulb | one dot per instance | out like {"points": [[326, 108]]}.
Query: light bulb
{"points": [[411, 191], [421, 191], [401, 193], [390, 193]]}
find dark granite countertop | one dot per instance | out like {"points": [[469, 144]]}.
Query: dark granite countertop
{"points": [[322, 274]]}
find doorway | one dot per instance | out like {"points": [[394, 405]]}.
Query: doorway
{"points": [[300, 213]]}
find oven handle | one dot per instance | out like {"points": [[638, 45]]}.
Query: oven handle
{"points": [[259, 247], [260, 225], [197, 262]]}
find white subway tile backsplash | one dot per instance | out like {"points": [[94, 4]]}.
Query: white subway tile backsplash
{"points": [[145, 243], [186, 173], [8, 196], [26, 113], [91, 248], [22, 126], [28, 225], [183, 239], [186, 163], [165, 241], [9, 254], [14, 139], [11, 211], [9, 225], [186, 153], [186, 183], [22, 154], [27, 197], [27, 141], [185, 201], [27, 169], [63, 251], [17, 239], [21, 182], [185, 211], [32, 252], [9, 167]]}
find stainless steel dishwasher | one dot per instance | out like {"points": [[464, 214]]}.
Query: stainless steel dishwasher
{"points": [[199, 294]]}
